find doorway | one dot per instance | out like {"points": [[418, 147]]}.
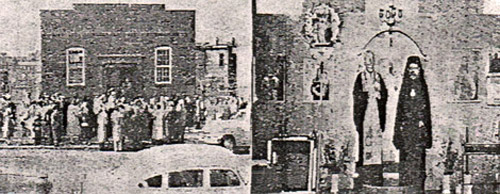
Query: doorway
{"points": [[295, 160], [126, 79]]}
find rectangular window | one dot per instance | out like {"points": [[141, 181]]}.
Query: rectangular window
{"points": [[221, 59], [163, 65], [223, 178], [187, 178], [75, 67], [154, 182]]}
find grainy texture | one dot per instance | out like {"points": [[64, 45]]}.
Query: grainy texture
{"points": [[290, 95]]}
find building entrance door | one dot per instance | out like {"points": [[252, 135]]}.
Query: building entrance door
{"points": [[125, 79], [295, 160]]}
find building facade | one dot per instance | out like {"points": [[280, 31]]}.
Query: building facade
{"points": [[6, 63], [138, 49], [318, 51], [217, 75]]}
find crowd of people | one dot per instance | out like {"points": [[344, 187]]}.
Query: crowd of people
{"points": [[59, 120]]}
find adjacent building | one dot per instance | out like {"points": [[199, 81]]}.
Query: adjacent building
{"points": [[217, 74], [20, 77], [26, 81], [6, 62]]}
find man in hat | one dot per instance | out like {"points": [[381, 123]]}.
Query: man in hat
{"points": [[158, 111], [57, 118], [74, 130], [9, 112]]}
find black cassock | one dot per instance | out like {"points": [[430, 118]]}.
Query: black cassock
{"points": [[360, 105], [413, 128]]}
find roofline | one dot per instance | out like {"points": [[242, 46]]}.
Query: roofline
{"points": [[164, 5]]}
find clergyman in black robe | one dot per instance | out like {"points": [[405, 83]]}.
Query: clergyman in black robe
{"points": [[412, 131]]}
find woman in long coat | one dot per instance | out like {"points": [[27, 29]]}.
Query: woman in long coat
{"points": [[158, 112], [73, 128], [117, 118], [413, 127]]}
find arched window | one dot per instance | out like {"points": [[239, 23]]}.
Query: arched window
{"points": [[75, 67], [163, 65]]}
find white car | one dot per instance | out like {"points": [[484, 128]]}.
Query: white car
{"points": [[178, 168], [227, 133]]}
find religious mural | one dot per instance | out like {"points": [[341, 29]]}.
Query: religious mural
{"points": [[494, 66], [370, 99], [466, 83], [274, 82], [390, 15], [316, 82], [384, 98], [321, 26], [493, 77]]}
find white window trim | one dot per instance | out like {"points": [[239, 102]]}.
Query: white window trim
{"points": [[67, 67], [169, 49]]}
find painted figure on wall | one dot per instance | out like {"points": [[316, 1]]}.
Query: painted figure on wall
{"points": [[493, 78], [274, 81], [466, 82], [320, 88], [321, 25], [494, 63], [370, 100], [272, 84], [413, 128]]}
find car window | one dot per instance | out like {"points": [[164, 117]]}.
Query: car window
{"points": [[223, 178], [154, 182], [187, 178]]}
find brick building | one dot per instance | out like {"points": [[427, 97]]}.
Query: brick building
{"points": [[455, 39], [142, 49], [26, 80], [20, 76], [6, 64], [217, 75]]}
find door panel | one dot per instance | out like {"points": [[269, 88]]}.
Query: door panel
{"points": [[293, 163]]}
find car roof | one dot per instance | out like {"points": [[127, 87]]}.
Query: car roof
{"points": [[186, 155], [186, 149]]}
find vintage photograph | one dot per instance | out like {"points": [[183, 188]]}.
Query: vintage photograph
{"points": [[250, 96]]}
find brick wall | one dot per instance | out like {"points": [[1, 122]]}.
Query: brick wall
{"points": [[104, 29]]}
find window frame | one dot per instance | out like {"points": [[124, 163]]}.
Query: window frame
{"points": [[68, 66], [168, 174], [146, 184], [169, 65], [237, 175]]}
